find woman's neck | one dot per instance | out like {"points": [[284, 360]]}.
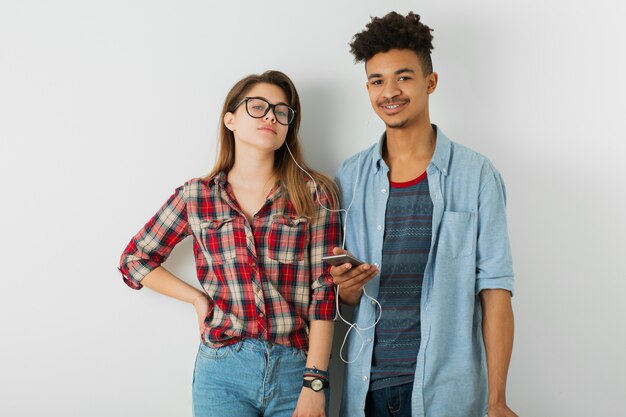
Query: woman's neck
{"points": [[252, 166], [251, 180]]}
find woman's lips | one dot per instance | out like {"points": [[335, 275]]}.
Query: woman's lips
{"points": [[268, 129]]}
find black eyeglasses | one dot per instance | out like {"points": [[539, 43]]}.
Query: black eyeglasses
{"points": [[258, 107]]}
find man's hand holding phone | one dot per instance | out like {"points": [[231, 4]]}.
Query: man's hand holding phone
{"points": [[351, 278]]}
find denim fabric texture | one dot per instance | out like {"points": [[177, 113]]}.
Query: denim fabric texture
{"points": [[469, 253], [392, 401], [250, 378]]}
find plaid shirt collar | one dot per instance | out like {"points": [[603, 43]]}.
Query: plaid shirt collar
{"points": [[221, 181]]}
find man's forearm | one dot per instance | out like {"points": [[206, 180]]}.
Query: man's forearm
{"points": [[498, 337], [350, 296]]}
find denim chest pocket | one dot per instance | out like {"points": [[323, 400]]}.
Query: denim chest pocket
{"points": [[218, 240], [456, 234], [287, 239]]}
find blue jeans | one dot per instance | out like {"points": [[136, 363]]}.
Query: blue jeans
{"points": [[389, 402], [250, 378]]}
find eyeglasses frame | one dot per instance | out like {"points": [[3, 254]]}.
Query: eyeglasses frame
{"points": [[269, 107]]}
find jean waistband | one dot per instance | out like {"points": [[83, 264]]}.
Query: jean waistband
{"points": [[261, 345]]}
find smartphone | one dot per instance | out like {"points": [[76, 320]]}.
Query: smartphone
{"points": [[337, 260]]}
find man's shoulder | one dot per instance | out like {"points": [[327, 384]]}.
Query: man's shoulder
{"points": [[364, 154], [358, 160], [462, 164], [464, 159], [465, 153]]}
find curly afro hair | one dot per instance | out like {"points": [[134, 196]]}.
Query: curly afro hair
{"points": [[394, 31]]}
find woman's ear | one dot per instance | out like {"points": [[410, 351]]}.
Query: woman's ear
{"points": [[229, 121]]}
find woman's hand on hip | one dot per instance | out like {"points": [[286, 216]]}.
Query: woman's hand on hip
{"points": [[201, 304]]}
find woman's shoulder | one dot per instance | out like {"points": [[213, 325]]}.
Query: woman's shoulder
{"points": [[317, 180], [197, 182], [198, 187], [323, 189]]}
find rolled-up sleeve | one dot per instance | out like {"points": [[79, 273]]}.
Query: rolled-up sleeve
{"points": [[494, 265], [151, 246], [325, 234]]}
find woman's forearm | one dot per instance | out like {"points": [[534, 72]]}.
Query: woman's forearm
{"points": [[320, 344], [163, 281]]}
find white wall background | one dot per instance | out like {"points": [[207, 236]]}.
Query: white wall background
{"points": [[106, 107]]}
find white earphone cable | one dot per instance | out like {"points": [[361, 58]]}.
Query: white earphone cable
{"points": [[355, 326], [352, 326], [320, 189]]}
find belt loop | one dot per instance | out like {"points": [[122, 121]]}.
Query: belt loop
{"points": [[237, 346]]}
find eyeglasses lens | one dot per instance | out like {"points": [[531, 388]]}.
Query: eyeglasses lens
{"points": [[258, 108]]}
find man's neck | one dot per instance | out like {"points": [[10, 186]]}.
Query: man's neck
{"points": [[414, 141], [408, 151]]}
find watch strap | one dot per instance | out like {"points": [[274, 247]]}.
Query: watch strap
{"points": [[316, 384]]}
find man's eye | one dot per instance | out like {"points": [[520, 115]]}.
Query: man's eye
{"points": [[404, 78], [377, 82]]}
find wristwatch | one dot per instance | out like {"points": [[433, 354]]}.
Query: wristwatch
{"points": [[316, 384]]}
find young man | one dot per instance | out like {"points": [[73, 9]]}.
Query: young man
{"points": [[428, 215]]}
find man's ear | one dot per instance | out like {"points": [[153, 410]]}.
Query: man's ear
{"points": [[433, 78], [229, 121]]}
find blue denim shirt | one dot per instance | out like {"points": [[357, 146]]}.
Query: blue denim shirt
{"points": [[469, 253]]}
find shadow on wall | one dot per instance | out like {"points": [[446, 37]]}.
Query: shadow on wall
{"points": [[337, 367], [316, 131]]}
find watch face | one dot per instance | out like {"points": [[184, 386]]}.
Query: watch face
{"points": [[317, 385]]}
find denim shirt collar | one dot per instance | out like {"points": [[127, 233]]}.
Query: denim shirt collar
{"points": [[440, 159]]}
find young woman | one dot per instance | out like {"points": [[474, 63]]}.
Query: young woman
{"points": [[260, 227]]}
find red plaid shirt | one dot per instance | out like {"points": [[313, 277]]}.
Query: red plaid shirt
{"points": [[263, 281]]}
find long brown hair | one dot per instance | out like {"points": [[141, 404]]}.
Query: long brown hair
{"points": [[291, 177]]}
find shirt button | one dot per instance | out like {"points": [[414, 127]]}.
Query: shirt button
{"points": [[383, 190], [445, 171], [373, 302], [365, 378], [379, 227], [261, 315], [369, 340]]}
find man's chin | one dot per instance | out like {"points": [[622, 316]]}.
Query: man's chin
{"points": [[396, 124]]}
